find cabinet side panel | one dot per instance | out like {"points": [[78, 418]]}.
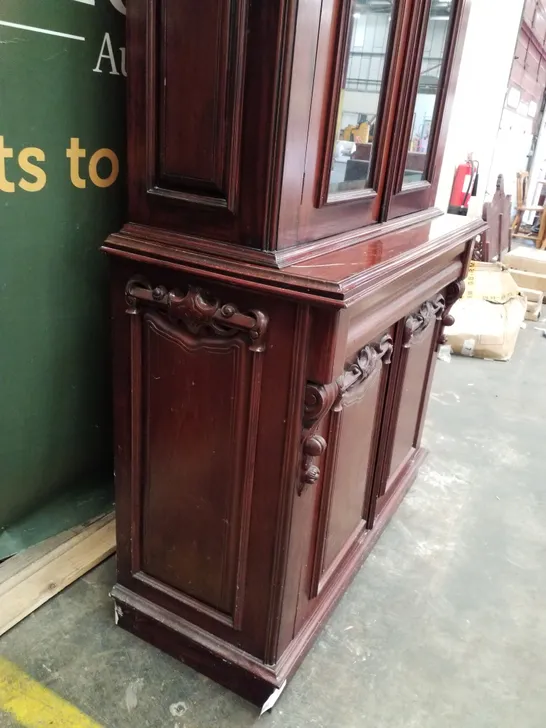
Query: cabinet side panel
{"points": [[255, 398], [191, 94], [198, 88], [197, 394]]}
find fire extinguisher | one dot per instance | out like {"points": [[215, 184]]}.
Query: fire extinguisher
{"points": [[465, 186]]}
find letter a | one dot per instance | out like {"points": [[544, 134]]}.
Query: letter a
{"points": [[107, 52]]}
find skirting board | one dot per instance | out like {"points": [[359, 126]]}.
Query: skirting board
{"points": [[31, 578]]}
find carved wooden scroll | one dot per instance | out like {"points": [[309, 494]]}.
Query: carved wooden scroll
{"points": [[198, 311], [321, 399], [416, 324], [366, 363]]}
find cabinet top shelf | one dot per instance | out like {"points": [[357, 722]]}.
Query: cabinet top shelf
{"points": [[335, 278], [379, 256]]}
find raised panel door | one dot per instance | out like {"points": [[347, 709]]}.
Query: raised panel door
{"points": [[347, 470], [415, 350]]}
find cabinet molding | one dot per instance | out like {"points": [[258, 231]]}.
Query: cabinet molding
{"points": [[319, 400], [365, 363], [198, 311], [454, 291], [417, 323]]}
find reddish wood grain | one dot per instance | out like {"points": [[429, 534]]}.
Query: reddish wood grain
{"points": [[273, 352]]}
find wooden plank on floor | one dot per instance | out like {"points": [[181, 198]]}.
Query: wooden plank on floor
{"points": [[50, 570], [19, 563]]}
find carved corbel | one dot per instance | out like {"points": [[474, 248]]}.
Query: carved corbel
{"points": [[313, 447], [321, 399], [416, 324], [198, 311]]}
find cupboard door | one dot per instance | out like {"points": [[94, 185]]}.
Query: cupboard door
{"points": [[437, 38], [415, 350], [358, 70], [352, 438]]}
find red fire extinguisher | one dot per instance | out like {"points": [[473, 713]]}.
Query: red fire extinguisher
{"points": [[465, 186]]}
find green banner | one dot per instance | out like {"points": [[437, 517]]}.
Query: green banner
{"points": [[62, 129]]}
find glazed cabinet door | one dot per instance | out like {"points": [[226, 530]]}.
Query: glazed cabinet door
{"points": [[359, 59], [414, 356], [436, 39]]}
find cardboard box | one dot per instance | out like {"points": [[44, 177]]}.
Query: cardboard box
{"points": [[486, 330], [490, 282], [489, 316], [534, 303], [527, 259], [535, 281]]}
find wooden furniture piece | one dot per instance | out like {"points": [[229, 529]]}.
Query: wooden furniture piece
{"points": [[274, 332], [522, 208], [497, 239]]}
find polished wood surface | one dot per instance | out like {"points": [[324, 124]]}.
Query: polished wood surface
{"points": [[338, 274], [273, 347], [198, 148]]}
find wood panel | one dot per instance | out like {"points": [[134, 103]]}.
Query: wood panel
{"points": [[197, 90], [350, 460], [204, 450], [196, 552], [418, 337], [411, 393], [31, 578]]}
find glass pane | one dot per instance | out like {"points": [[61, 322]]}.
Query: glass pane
{"points": [[357, 123], [427, 92]]}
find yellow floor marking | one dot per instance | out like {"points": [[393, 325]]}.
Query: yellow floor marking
{"points": [[34, 706]]}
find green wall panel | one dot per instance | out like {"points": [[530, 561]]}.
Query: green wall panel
{"points": [[54, 213]]}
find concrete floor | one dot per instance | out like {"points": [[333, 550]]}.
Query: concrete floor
{"points": [[444, 627]]}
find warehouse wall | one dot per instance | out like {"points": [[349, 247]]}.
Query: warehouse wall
{"points": [[481, 89], [61, 192]]}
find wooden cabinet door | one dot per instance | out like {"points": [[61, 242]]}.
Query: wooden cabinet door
{"points": [[413, 366], [351, 434]]}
